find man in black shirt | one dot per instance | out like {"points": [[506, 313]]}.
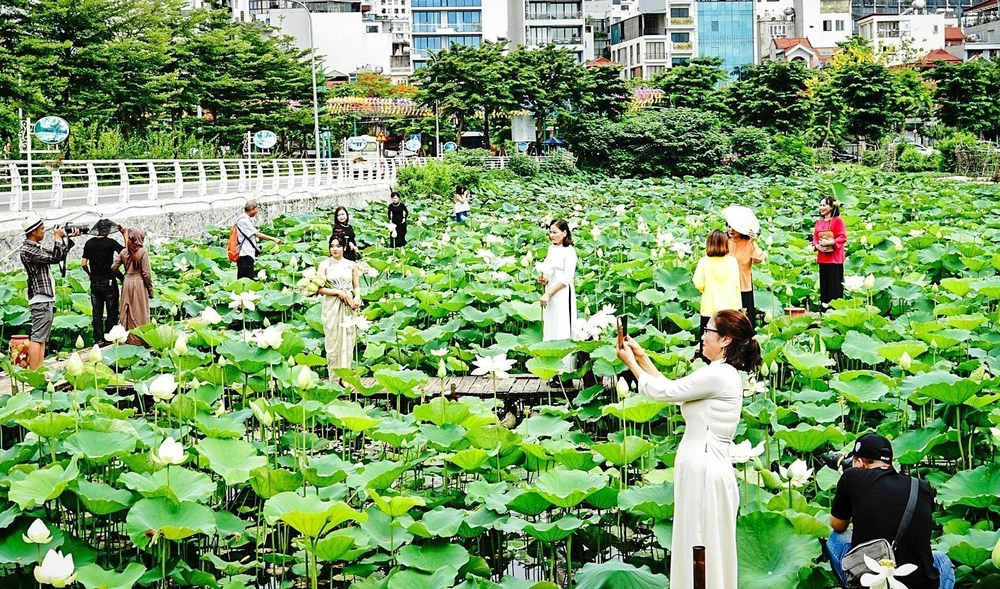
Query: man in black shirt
{"points": [[98, 255], [873, 496]]}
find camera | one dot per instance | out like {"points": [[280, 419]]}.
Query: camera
{"points": [[72, 229], [834, 460]]}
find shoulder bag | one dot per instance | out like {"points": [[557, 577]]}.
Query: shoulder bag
{"points": [[880, 549]]}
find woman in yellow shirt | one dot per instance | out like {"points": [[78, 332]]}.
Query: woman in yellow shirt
{"points": [[717, 277]]}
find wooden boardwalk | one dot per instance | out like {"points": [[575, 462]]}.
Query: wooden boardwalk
{"points": [[527, 385]]}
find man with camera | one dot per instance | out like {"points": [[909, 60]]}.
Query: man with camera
{"points": [[41, 288], [887, 510], [98, 254], [248, 236]]}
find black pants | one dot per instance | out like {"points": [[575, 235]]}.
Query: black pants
{"points": [[750, 306], [831, 283], [104, 296], [400, 239], [244, 267]]}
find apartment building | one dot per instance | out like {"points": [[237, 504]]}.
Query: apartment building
{"points": [[862, 8], [539, 22], [903, 38], [664, 35], [599, 15], [726, 30], [981, 30]]}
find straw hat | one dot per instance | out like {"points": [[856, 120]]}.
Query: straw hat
{"points": [[742, 219], [31, 223]]}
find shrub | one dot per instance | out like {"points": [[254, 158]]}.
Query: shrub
{"points": [[473, 158], [560, 162], [436, 178], [756, 153], [523, 166], [910, 160], [949, 146]]}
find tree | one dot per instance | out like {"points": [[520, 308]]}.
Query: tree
{"points": [[694, 85], [604, 92], [966, 96], [772, 96], [374, 85], [548, 79], [465, 81]]}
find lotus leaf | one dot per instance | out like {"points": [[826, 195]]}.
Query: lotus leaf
{"points": [[443, 578], [771, 554], [979, 487], [396, 506], [811, 365], [433, 556], [150, 518], [441, 522], [469, 459], [102, 499], [556, 531], [180, 484], [268, 482], [231, 459], [941, 385], [653, 501], [806, 438], [972, 548], [615, 574], [440, 411], [625, 452], [859, 387], [94, 577], [567, 488], [42, 485], [352, 416], [859, 346], [309, 515], [637, 409]]}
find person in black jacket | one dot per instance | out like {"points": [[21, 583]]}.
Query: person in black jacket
{"points": [[99, 253], [342, 229], [872, 497], [397, 216]]}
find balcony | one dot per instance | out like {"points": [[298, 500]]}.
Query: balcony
{"points": [[399, 62], [681, 20], [554, 16], [654, 31], [564, 41], [447, 28], [654, 56], [888, 34], [682, 46]]}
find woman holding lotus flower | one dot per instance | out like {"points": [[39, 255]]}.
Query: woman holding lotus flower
{"points": [[341, 301], [706, 494]]}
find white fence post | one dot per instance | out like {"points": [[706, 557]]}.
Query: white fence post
{"points": [[178, 180], [276, 182], [154, 182], [92, 185], [223, 178], [202, 180], [123, 195], [57, 189]]}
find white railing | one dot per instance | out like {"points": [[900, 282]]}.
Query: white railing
{"points": [[49, 184]]}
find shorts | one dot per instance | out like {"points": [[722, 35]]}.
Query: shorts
{"points": [[41, 321], [461, 216]]}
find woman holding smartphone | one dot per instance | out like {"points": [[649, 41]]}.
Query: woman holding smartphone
{"points": [[706, 495]]}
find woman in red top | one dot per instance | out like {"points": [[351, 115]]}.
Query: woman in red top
{"points": [[829, 237]]}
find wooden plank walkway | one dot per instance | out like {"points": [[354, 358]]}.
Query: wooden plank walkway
{"points": [[482, 386]]}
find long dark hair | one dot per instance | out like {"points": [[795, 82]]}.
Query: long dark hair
{"points": [[563, 226], [336, 214], [743, 351], [833, 205]]}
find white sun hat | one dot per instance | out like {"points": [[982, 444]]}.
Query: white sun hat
{"points": [[31, 222], [742, 219]]}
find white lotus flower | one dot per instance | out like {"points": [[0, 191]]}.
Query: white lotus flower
{"points": [[262, 275], [371, 272], [170, 452], [361, 323], [754, 386], [445, 238], [182, 265], [269, 337], [622, 388], [897, 243], [95, 356], [491, 239], [37, 533], [75, 365], [600, 253], [305, 379], [681, 249], [864, 240], [117, 335], [210, 316], [440, 352], [505, 261], [664, 239], [246, 300], [497, 365], [392, 229], [885, 573], [744, 452], [56, 569], [484, 254], [916, 232], [79, 342], [293, 262], [595, 232], [797, 474], [181, 346], [542, 268], [869, 281], [854, 283], [620, 210], [642, 228], [309, 273], [222, 408], [163, 387]]}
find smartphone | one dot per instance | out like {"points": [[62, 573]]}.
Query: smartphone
{"points": [[622, 330]]}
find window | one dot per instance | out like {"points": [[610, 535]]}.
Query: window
{"points": [[656, 50], [465, 21], [680, 37], [679, 61], [840, 25], [827, 25], [652, 70], [935, 29], [372, 29], [715, 26], [684, 12], [445, 3]]}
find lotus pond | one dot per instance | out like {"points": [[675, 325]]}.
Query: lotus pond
{"points": [[282, 478]]}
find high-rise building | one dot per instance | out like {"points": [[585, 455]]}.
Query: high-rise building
{"points": [[862, 8], [663, 35], [438, 24], [540, 22], [599, 15], [726, 30]]}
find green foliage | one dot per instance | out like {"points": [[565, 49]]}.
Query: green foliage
{"points": [[966, 96], [694, 84], [949, 146], [436, 178], [910, 160], [472, 158], [523, 166], [772, 96], [560, 161]]}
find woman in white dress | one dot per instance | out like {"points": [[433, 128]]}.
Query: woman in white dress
{"points": [[706, 495], [341, 301], [558, 271]]}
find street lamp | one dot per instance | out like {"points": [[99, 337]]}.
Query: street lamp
{"points": [[437, 123], [312, 63]]}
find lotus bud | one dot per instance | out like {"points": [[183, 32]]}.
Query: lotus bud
{"points": [[163, 387], [622, 388], [934, 344], [905, 361], [789, 292], [56, 569], [181, 346], [442, 369], [170, 452], [37, 533], [996, 555], [222, 361], [50, 389], [774, 367], [864, 240], [79, 342], [934, 288], [305, 378], [267, 322], [75, 364], [769, 241], [869, 281], [118, 334], [764, 369], [94, 356]]}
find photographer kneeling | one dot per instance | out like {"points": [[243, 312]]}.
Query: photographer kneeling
{"points": [[884, 505]]}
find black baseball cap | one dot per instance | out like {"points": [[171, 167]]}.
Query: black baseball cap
{"points": [[871, 446]]}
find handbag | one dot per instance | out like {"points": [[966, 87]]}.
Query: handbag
{"points": [[880, 549], [826, 243]]}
